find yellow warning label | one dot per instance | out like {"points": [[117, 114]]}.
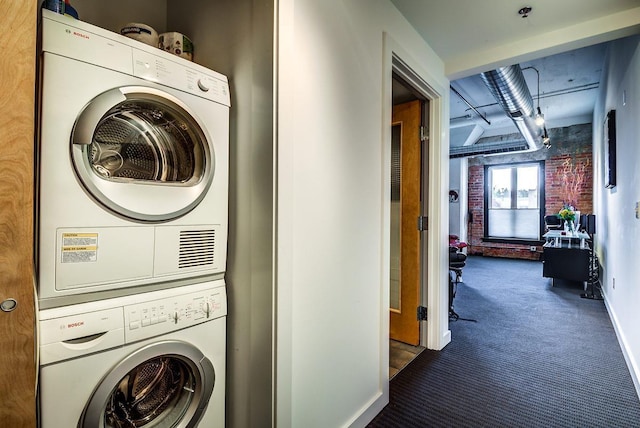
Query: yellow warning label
{"points": [[88, 248], [79, 247]]}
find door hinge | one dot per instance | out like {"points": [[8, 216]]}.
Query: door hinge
{"points": [[422, 313], [423, 223], [423, 134]]}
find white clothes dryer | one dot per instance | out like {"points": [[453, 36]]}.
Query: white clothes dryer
{"points": [[132, 166], [154, 359]]}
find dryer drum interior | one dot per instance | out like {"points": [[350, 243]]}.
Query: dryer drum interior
{"points": [[146, 141]]}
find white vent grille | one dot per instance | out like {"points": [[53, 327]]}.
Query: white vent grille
{"points": [[197, 248]]}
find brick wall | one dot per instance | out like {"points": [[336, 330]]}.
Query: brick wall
{"points": [[568, 178]]}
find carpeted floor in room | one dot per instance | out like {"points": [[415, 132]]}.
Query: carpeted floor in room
{"points": [[537, 355]]}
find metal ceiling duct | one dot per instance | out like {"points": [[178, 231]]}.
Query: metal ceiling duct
{"points": [[509, 88], [487, 149]]}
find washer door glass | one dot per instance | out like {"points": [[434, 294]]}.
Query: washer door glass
{"points": [[153, 388], [141, 153]]}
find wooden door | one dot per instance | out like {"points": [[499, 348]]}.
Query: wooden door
{"points": [[17, 106], [404, 324]]}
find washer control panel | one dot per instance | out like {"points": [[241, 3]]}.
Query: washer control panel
{"points": [[75, 330], [160, 316]]}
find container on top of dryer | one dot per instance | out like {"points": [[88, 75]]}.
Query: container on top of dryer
{"points": [[132, 166]]}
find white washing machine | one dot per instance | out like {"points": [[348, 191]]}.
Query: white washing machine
{"points": [[154, 359], [132, 166]]}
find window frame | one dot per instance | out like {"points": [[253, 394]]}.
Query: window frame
{"points": [[541, 202]]}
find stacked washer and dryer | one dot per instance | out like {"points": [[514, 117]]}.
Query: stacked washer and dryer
{"points": [[132, 173]]}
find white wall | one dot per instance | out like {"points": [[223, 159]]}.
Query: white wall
{"points": [[334, 107], [617, 227], [458, 180], [455, 183]]}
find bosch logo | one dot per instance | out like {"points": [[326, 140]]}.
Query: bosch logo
{"points": [[75, 324], [84, 36]]}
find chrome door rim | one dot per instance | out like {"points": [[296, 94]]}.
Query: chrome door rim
{"points": [[93, 415], [186, 196]]}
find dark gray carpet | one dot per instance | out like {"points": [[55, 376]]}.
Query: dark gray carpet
{"points": [[538, 356]]}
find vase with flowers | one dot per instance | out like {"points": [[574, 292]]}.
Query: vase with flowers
{"points": [[568, 215]]}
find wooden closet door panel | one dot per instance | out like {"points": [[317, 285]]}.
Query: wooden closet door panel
{"points": [[17, 101]]}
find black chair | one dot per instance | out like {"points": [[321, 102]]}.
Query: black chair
{"points": [[553, 222], [457, 260]]}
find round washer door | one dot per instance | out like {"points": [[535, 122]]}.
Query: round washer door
{"points": [[142, 154], [165, 384]]}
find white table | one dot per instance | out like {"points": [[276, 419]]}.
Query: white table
{"points": [[560, 238]]}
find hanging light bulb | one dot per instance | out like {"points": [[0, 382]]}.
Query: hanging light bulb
{"points": [[539, 118]]}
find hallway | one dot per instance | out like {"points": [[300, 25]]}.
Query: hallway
{"points": [[535, 355]]}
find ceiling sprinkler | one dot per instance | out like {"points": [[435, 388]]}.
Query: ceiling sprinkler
{"points": [[525, 11]]}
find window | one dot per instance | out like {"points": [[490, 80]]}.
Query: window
{"points": [[514, 194]]}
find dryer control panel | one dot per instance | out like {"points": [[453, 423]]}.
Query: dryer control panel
{"points": [[168, 72], [82, 41]]}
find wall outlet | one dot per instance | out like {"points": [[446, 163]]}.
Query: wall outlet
{"points": [[614, 283], [532, 248]]}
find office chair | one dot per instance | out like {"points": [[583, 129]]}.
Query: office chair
{"points": [[553, 222], [457, 259]]}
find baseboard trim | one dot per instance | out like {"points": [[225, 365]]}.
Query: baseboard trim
{"points": [[632, 364], [371, 409], [446, 339]]}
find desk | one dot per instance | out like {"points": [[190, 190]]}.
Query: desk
{"points": [[566, 256], [559, 238]]}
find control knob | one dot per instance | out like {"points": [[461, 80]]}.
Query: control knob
{"points": [[203, 85], [206, 308]]}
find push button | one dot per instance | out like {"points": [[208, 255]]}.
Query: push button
{"points": [[8, 305]]}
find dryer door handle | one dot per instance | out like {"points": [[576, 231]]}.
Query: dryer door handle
{"points": [[93, 112]]}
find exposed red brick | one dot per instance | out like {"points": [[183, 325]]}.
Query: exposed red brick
{"points": [[558, 171]]}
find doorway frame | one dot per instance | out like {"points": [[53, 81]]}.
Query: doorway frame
{"points": [[437, 334], [434, 280]]}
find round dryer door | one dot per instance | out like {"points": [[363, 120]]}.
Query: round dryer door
{"points": [[166, 384], [142, 154]]}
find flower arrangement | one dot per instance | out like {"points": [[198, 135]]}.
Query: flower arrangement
{"points": [[567, 213]]}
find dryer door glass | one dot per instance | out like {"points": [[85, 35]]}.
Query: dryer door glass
{"points": [[142, 153], [153, 389], [147, 140]]}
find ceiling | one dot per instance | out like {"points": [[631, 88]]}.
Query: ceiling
{"points": [[472, 37], [569, 85]]}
